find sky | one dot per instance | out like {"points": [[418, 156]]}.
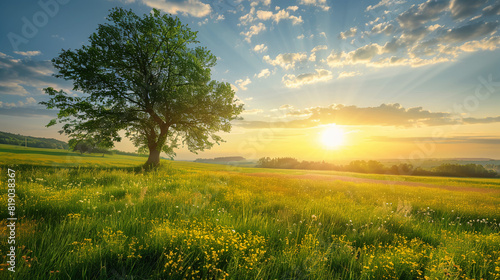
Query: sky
{"points": [[386, 78]]}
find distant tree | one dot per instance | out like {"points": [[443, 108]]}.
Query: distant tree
{"points": [[88, 145], [264, 162], [402, 169], [467, 170], [144, 75], [374, 166], [80, 146], [357, 166]]}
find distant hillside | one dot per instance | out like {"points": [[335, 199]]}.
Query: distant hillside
{"points": [[34, 142], [220, 159]]}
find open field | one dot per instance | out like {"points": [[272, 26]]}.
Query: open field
{"points": [[10, 154], [203, 221]]}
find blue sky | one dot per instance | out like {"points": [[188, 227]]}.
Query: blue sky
{"points": [[382, 68]]}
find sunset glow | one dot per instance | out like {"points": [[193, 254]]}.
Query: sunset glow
{"points": [[333, 137], [404, 79]]}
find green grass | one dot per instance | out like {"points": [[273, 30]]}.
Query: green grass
{"points": [[10, 154], [203, 221]]}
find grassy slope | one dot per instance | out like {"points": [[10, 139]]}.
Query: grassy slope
{"points": [[191, 220], [449, 181], [10, 154]]}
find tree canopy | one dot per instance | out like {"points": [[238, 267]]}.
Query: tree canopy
{"points": [[146, 76]]}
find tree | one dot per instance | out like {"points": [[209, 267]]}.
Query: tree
{"points": [[144, 76], [88, 146]]}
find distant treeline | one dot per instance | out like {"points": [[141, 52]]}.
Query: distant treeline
{"points": [[118, 152], [220, 159], [90, 147], [34, 142], [372, 166]]}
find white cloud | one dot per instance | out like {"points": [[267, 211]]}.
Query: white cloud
{"points": [[416, 16], [248, 18], [264, 73], [200, 23], [293, 8], [285, 107], [492, 43], [383, 27], [386, 3], [335, 59], [469, 31], [28, 101], [242, 84], [7, 105], [12, 88], [264, 2], [292, 81], [277, 17], [193, 8], [317, 3], [22, 77], [58, 37], [252, 112], [364, 54], [253, 30], [29, 53], [264, 15], [492, 10], [348, 74], [349, 33], [287, 60], [301, 36], [219, 18], [312, 57], [282, 14], [260, 48], [319, 48], [423, 37], [322, 34]]}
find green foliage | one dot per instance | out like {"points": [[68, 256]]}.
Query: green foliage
{"points": [[467, 170], [88, 146], [143, 75], [37, 142], [375, 167]]}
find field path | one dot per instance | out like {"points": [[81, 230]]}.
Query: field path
{"points": [[322, 177]]}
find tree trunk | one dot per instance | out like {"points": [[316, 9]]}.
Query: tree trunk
{"points": [[153, 159]]}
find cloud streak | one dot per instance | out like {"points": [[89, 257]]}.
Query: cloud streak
{"points": [[286, 61], [194, 8], [320, 75], [383, 115]]}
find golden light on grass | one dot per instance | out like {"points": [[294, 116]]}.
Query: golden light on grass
{"points": [[333, 137]]}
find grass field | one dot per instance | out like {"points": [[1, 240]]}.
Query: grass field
{"points": [[93, 217], [10, 154]]}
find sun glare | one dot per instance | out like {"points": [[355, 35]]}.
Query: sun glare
{"points": [[333, 137]]}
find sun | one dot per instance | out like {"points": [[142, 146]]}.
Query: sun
{"points": [[333, 137]]}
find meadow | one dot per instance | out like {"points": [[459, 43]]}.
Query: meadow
{"points": [[93, 217]]}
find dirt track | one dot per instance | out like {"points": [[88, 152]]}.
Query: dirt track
{"points": [[372, 181]]}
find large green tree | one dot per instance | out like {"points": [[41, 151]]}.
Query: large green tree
{"points": [[146, 76]]}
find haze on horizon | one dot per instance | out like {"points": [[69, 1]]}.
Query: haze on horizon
{"points": [[380, 79]]}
